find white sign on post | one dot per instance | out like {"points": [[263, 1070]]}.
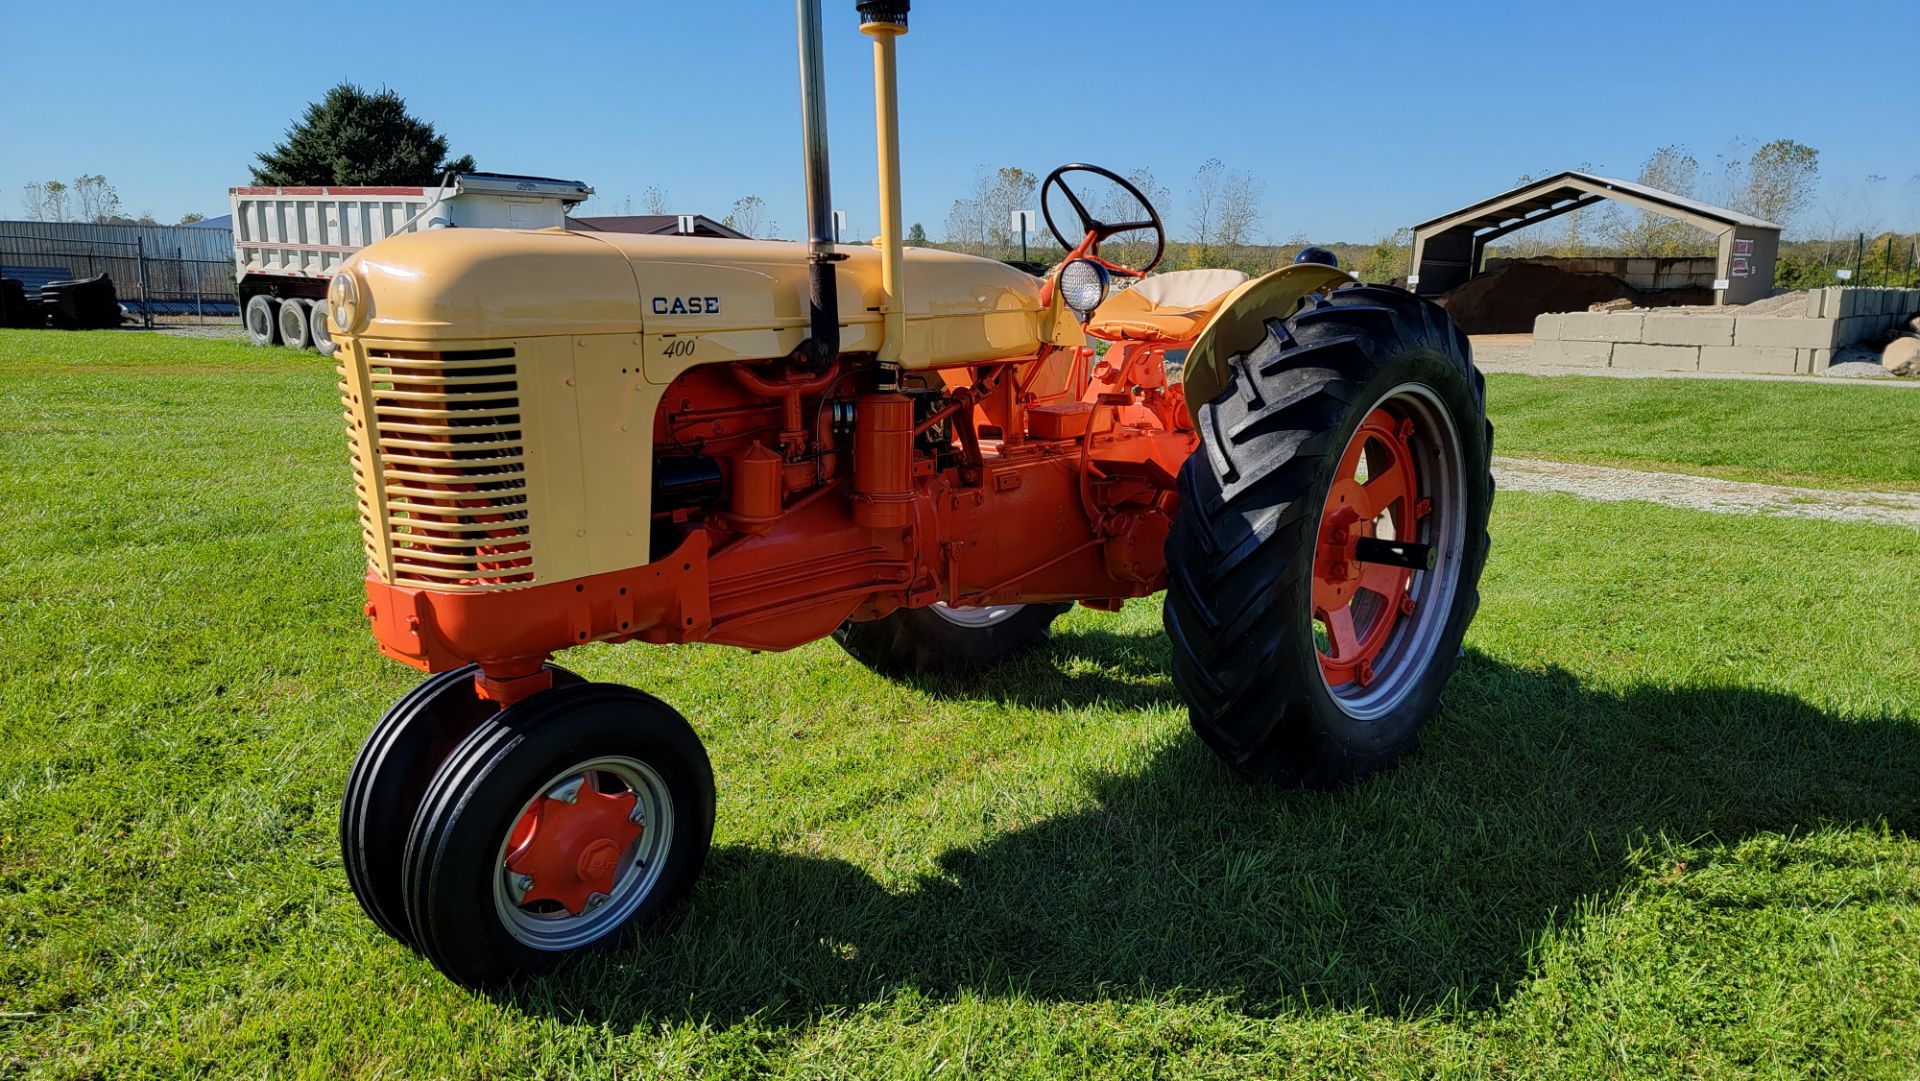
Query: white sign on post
{"points": [[686, 225], [1023, 219], [839, 223]]}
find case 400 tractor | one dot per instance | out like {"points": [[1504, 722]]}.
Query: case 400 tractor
{"points": [[564, 437]]}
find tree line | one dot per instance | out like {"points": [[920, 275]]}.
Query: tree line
{"points": [[353, 136]]}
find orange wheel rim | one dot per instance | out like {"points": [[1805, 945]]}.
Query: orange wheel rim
{"points": [[1375, 493]]}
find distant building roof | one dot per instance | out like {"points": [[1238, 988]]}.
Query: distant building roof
{"points": [[656, 225], [224, 221]]}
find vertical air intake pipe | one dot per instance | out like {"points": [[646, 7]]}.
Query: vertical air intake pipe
{"points": [[883, 21], [823, 299]]}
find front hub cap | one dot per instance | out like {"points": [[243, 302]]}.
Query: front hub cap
{"points": [[1398, 480], [583, 853]]}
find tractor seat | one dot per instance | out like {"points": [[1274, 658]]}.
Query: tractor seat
{"points": [[1171, 307]]}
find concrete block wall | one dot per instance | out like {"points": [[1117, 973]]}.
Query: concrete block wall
{"points": [[1723, 339]]}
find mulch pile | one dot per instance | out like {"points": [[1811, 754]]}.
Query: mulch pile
{"points": [[1506, 301]]}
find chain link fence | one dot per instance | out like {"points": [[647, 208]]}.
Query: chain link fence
{"points": [[155, 282]]}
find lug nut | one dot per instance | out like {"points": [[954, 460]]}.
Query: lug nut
{"points": [[523, 884], [596, 900]]}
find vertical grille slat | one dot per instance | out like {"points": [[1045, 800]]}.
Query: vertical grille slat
{"points": [[441, 476]]}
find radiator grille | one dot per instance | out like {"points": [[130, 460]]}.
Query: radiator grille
{"points": [[440, 468]]}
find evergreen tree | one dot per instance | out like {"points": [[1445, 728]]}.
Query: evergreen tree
{"points": [[353, 137]]}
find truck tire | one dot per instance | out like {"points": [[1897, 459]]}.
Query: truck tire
{"points": [[1361, 417], [317, 331], [293, 324], [938, 640], [263, 320]]}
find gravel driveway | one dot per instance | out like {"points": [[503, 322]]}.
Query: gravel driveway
{"points": [[1609, 485]]}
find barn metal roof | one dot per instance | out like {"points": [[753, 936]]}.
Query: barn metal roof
{"points": [[1566, 191]]}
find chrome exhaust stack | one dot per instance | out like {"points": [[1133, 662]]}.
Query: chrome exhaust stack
{"points": [[823, 298]]}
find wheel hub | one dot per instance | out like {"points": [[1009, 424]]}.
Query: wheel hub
{"points": [[570, 843], [1375, 495]]}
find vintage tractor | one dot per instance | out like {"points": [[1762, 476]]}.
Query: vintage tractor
{"points": [[563, 437]]}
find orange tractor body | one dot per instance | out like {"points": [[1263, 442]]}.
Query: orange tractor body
{"points": [[563, 437]]}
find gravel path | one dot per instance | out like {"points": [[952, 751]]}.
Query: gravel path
{"points": [[1610, 485]]}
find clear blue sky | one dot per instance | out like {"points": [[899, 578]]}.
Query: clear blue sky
{"points": [[1358, 118]]}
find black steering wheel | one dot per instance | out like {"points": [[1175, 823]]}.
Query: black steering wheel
{"points": [[1102, 230]]}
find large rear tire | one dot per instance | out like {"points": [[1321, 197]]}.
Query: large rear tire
{"points": [[938, 640], [1359, 420]]}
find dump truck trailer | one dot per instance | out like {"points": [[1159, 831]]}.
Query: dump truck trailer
{"points": [[289, 241]]}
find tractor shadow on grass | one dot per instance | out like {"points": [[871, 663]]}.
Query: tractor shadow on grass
{"points": [[1427, 886]]}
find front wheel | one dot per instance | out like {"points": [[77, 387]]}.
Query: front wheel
{"points": [[1326, 560], [390, 777], [555, 828], [941, 640]]}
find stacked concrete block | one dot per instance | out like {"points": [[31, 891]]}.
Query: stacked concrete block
{"points": [[1662, 329], [1723, 339]]}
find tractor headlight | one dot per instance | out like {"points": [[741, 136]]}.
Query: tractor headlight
{"points": [[1083, 285], [343, 302]]}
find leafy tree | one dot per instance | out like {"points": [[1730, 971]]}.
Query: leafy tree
{"points": [[1136, 247], [745, 215], [1226, 210], [1387, 259], [191, 218], [46, 200], [353, 137], [1644, 233], [1775, 182], [88, 198], [981, 222], [98, 201], [917, 236]]}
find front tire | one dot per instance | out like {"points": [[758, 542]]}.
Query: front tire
{"points": [[554, 828], [1361, 418], [390, 776], [938, 640]]}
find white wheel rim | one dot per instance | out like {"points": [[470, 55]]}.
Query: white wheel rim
{"points": [[635, 876], [293, 328], [317, 329], [260, 319], [976, 617], [1410, 652]]}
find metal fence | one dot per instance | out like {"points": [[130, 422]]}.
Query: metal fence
{"points": [[167, 273]]}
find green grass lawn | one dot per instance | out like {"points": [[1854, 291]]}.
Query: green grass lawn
{"points": [[1665, 827], [1808, 434]]}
